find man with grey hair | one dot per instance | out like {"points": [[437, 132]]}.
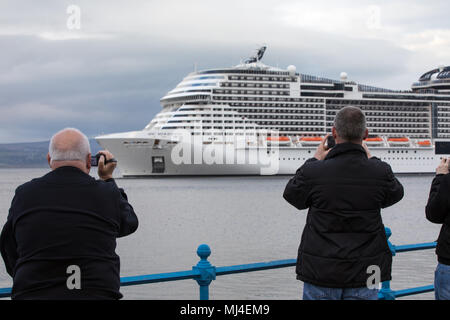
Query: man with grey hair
{"points": [[60, 236], [344, 246], [68, 144]]}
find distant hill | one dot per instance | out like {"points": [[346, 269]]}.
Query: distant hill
{"points": [[30, 154]]}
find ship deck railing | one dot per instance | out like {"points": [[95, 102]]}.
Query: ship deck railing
{"points": [[204, 272]]}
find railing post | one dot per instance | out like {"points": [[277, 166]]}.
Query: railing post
{"points": [[386, 291], [206, 270]]}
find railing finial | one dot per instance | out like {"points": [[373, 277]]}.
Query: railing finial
{"points": [[203, 251], [207, 272]]}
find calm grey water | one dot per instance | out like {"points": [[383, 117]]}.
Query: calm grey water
{"points": [[243, 220]]}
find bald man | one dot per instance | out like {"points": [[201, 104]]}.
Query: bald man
{"points": [[60, 236]]}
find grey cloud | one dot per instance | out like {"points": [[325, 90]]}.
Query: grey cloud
{"points": [[113, 84]]}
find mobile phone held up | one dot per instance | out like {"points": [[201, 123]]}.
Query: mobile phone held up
{"points": [[95, 159], [330, 142]]}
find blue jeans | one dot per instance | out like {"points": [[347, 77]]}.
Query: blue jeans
{"points": [[313, 292], [442, 282]]}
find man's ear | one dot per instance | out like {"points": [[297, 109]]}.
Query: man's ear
{"points": [[88, 161], [49, 160], [333, 132], [366, 134]]}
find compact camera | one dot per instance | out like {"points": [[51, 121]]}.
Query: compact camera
{"points": [[95, 159]]}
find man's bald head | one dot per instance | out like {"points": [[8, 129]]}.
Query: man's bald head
{"points": [[67, 146]]}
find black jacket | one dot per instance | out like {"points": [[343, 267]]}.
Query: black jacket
{"points": [[344, 233], [438, 211], [66, 218]]}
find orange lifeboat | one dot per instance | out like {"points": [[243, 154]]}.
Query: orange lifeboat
{"points": [[278, 139], [311, 139], [398, 141], [374, 139], [402, 139], [424, 143]]}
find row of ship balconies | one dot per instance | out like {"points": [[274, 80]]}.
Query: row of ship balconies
{"points": [[367, 103], [391, 119], [250, 110], [243, 112], [254, 98], [422, 123], [290, 101], [294, 114], [390, 114], [408, 132], [291, 114], [261, 127], [367, 110], [254, 85], [277, 111], [276, 105], [263, 121], [258, 116], [316, 127], [262, 78], [390, 125], [253, 92], [303, 122]]}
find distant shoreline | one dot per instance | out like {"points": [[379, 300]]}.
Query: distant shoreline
{"points": [[30, 154], [24, 167]]}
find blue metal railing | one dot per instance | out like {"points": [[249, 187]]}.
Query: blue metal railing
{"points": [[204, 273]]}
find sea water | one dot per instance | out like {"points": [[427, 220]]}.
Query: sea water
{"points": [[243, 220]]}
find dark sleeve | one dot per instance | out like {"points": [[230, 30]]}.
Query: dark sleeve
{"points": [[8, 246], [394, 189], [297, 189], [128, 219], [437, 207]]}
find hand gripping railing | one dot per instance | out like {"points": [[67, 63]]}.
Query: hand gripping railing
{"points": [[204, 273]]}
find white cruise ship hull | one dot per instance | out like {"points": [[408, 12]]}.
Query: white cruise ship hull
{"points": [[144, 159]]}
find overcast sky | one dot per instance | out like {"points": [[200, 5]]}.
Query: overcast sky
{"points": [[109, 75]]}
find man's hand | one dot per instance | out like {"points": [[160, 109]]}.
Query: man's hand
{"points": [[105, 171], [443, 166], [322, 151], [367, 150]]}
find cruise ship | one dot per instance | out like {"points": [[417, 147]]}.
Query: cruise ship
{"points": [[253, 119]]}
